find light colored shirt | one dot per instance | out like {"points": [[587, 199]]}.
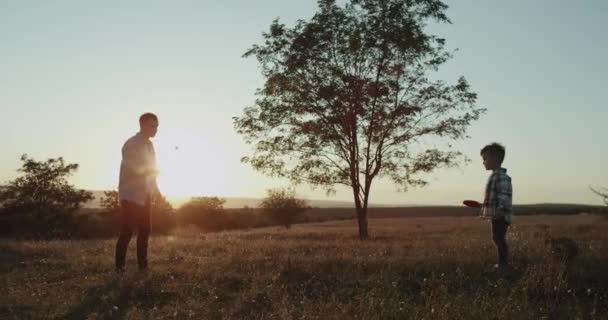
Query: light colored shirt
{"points": [[138, 171], [498, 200]]}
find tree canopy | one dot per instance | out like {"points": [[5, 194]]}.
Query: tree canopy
{"points": [[348, 98]]}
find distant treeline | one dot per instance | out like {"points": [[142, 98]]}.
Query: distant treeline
{"points": [[451, 211], [209, 216], [42, 204], [98, 223]]}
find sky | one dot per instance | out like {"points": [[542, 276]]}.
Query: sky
{"points": [[76, 75]]}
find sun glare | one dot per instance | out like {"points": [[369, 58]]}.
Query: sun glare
{"points": [[189, 165]]}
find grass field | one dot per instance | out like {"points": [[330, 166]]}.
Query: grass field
{"points": [[411, 268]]}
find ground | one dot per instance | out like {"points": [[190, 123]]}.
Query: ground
{"points": [[411, 268]]}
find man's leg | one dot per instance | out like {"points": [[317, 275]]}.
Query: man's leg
{"points": [[143, 234], [499, 235], [127, 212]]}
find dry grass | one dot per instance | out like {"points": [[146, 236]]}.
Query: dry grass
{"points": [[413, 268]]}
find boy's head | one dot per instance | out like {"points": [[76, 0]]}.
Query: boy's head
{"points": [[493, 156]]}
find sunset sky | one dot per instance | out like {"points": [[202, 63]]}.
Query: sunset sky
{"points": [[76, 75]]}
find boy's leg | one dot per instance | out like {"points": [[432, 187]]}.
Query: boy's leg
{"points": [[143, 234], [499, 235], [128, 214]]}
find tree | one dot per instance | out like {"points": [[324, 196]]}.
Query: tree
{"points": [[163, 217], [162, 212], [282, 207], [161, 204], [110, 201], [602, 192], [43, 188], [348, 99], [205, 212]]}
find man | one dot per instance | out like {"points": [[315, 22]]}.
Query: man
{"points": [[136, 188]]}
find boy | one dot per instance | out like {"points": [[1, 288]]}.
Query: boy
{"points": [[497, 204]]}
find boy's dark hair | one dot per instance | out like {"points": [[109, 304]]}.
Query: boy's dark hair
{"points": [[496, 150], [147, 116]]}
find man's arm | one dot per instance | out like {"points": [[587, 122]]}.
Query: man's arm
{"points": [[153, 174], [155, 190]]}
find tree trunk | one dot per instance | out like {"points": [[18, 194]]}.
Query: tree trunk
{"points": [[362, 219], [361, 213]]}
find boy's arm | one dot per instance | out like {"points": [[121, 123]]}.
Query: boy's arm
{"points": [[504, 194]]}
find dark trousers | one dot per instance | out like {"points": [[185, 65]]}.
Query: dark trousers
{"points": [[499, 235], [134, 218]]}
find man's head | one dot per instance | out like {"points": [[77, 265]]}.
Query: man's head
{"points": [[148, 124], [493, 156]]}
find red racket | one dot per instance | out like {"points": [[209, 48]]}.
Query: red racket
{"points": [[472, 204]]}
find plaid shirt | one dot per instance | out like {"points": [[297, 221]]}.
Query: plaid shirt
{"points": [[499, 197]]}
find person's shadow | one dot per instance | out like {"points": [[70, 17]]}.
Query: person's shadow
{"points": [[90, 302]]}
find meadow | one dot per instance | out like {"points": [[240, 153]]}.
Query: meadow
{"points": [[411, 268]]}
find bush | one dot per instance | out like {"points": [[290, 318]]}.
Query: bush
{"points": [[207, 213], [41, 202], [282, 207], [162, 216], [43, 189]]}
